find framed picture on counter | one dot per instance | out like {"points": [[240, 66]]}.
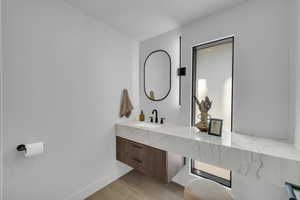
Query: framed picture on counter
{"points": [[215, 127]]}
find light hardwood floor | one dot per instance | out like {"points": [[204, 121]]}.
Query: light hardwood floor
{"points": [[135, 186]]}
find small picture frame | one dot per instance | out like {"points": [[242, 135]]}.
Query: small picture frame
{"points": [[215, 127]]}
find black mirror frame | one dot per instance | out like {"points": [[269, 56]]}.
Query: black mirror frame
{"points": [[170, 75]]}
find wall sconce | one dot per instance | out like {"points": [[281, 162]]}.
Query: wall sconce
{"points": [[181, 71]]}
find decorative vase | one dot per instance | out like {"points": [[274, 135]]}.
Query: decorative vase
{"points": [[203, 124], [204, 106]]}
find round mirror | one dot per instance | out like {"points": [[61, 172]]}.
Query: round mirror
{"points": [[157, 75]]}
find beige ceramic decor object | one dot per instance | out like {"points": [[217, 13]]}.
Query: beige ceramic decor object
{"points": [[204, 107]]}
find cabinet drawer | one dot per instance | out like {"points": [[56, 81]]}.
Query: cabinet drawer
{"points": [[136, 150], [137, 164], [136, 155]]}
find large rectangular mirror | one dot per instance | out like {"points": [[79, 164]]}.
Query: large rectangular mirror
{"points": [[213, 77]]}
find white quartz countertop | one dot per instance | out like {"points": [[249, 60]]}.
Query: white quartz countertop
{"points": [[271, 147], [268, 160]]}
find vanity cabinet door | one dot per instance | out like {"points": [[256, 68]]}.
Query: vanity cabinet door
{"points": [[149, 162], [160, 165], [155, 164]]}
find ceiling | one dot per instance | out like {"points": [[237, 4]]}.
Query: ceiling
{"points": [[142, 19]]}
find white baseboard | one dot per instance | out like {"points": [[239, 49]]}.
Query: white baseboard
{"points": [[99, 184]]}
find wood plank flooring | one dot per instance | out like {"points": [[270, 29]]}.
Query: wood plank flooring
{"points": [[135, 186]]}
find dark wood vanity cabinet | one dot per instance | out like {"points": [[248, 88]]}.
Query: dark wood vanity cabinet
{"points": [[150, 161]]}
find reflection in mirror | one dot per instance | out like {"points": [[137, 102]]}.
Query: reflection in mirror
{"points": [[214, 71], [157, 75], [213, 68]]}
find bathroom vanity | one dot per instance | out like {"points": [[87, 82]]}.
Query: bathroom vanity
{"points": [[267, 160], [150, 161]]}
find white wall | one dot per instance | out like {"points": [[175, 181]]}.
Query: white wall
{"points": [[169, 107], [261, 75], [1, 107], [261, 65], [64, 77], [261, 61], [297, 73]]}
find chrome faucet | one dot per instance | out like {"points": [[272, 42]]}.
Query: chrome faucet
{"points": [[156, 117]]}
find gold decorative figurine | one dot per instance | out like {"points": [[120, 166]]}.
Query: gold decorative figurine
{"points": [[204, 107]]}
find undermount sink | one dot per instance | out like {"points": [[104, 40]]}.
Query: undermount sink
{"points": [[146, 125]]}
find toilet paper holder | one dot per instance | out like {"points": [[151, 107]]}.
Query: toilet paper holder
{"points": [[31, 150], [21, 147]]}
